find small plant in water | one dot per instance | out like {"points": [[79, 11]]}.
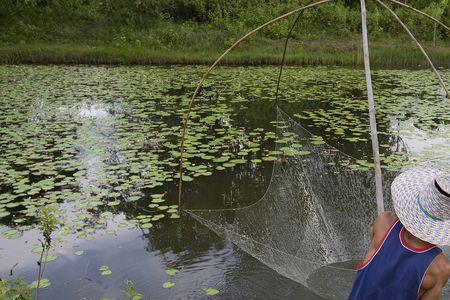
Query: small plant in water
{"points": [[48, 224], [14, 290], [130, 292]]}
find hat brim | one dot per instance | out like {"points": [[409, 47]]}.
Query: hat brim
{"points": [[405, 192]]}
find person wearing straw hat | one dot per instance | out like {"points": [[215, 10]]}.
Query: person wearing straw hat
{"points": [[403, 261]]}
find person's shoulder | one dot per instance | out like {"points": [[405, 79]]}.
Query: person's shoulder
{"points": [[382, 224], [387, 217], [385, 220]]}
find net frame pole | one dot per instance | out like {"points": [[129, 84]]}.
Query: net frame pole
{"points": [[208, 71], [373, 121], [422, 13], [439, 77], [283, 58]]}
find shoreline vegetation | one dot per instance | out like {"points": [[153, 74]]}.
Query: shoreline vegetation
{"points": [[187, 32], [384, 54]]}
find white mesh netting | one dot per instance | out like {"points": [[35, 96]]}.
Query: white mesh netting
{"points": [[312, 224]]}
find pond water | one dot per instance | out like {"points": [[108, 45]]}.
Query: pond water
{"points": [[99, 145]]}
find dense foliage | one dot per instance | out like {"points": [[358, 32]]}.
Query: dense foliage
{"points": [[172, 23]]}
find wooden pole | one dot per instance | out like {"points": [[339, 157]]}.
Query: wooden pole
{"points": [[373, 121]]}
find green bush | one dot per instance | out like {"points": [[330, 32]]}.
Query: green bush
{"points": [[170, 23]]}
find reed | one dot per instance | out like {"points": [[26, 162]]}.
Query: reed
{"points": [[384, 54]]}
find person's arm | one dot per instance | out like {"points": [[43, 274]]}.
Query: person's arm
{"points": [[432, 294], [435, 279], [378, 230]]}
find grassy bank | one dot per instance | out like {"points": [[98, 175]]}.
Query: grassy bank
{"points": [[386, 53], [197, 31]]}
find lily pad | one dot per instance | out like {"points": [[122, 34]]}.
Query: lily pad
{"points": [[104, 270], [168, 284], [172, 272], [43, 283], [211, 292], [147, 225], [49, 258]]}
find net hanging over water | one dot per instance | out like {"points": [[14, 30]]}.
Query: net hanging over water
{"points": [[312, 224]]}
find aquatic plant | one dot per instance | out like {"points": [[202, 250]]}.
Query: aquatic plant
{"points": [[48, 224], [11, 289], [130, 290]]}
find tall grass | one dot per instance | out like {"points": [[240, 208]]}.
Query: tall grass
{"points": [[384, 53]]}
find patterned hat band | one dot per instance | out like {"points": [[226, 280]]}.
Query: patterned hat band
{"points": [[443, 185], [434, 200]]}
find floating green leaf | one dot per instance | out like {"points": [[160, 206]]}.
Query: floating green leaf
{"points": [[104, 270], [168, 285], [172, 272], [147, 225], [43, 283], [211, 292]]}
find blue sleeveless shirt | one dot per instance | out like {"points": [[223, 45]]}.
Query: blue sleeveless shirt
{"points": [[395, 270]]}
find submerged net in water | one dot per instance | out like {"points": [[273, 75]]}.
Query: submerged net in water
{"points": [[312, 224]]}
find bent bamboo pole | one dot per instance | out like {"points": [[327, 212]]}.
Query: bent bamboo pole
{"points": [[283, 58], [422, 13], [208, 71], [441, 81], [372, 116]]}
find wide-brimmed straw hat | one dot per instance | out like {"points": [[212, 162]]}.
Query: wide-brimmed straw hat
{"points": [[421, 199]]}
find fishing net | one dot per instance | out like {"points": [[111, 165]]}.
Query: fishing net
{"points": [[312, 224]]}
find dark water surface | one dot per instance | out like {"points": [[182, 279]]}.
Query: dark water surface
{"points": [[99, 144]]}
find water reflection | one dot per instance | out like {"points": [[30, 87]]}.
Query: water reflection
{"points": [[424, 145], [204, 260], [93, 111]]}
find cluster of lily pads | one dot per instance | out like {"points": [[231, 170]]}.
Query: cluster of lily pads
{"points": [[97, 142], [96, 146], [406, 102], [88, 156]]}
